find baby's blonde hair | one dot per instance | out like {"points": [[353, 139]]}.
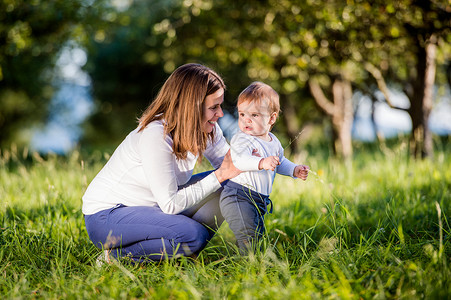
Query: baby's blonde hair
{"points": [[256, 92]]}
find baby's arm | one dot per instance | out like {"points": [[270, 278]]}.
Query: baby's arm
{"points": [[286, 167], [243, 154], [289, 168]]}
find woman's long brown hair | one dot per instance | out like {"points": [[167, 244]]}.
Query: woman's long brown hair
{"points": [[179, 104]]}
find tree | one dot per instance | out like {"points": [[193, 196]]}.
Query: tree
{"points": [[283, 43], [126, 67], [295, 44], [416, 40], [306, 50], [244, 42], [137, 48]]}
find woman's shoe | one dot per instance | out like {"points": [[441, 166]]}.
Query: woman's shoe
{"points": [[104, 258]]}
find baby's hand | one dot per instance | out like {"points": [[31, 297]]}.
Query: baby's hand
{"points": [[301, 171], [269, 163]]}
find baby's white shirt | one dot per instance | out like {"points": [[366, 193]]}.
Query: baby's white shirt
{"points": [[261, 181], [143, 171]]}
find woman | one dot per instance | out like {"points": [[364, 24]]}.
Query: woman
{"points": [[145, 203]]}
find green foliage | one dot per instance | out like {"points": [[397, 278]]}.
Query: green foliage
{"points": [[31, 35], [132, 46], [125, 67], [399, 29], [284, 43], [376, 228], [304, 40]]}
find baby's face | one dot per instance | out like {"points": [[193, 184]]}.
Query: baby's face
{"points": [[255, 119]]}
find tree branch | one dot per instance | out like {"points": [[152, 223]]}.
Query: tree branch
{"points": [[382, 85], [320, 98]]}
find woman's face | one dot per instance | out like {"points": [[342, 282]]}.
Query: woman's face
{"points": [[212, 110]]}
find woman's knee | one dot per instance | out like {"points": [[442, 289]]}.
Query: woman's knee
{"points": [[193, 238], [94, 227]]}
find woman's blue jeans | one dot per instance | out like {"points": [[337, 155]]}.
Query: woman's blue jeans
{"points": [[142, 232]]}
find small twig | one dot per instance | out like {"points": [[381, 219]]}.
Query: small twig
{"points": [[295, 138]]}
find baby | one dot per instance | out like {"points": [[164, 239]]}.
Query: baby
{"points": [[258, 153]]}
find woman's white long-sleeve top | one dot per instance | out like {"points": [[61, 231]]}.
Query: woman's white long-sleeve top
{"points": [[143, 171]]}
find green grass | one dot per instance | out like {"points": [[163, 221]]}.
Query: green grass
{"points": [[378, 227]]}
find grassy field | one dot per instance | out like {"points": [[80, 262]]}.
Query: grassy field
{"points": [[378, 227]]}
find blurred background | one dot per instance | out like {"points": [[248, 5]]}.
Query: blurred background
{"points": [[77, 74]]}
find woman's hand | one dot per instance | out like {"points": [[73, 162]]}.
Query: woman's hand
{"points": [[227, 169]]}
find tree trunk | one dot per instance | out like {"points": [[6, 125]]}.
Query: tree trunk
{"points": [[343, 118], [377, 132], [421, 100], [340, 111], [291, 122]]}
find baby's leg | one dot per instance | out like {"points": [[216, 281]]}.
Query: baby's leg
{"points": [[243, 217]]}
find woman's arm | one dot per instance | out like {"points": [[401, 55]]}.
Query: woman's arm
{"points": [[159, 164], [227, 169]]}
